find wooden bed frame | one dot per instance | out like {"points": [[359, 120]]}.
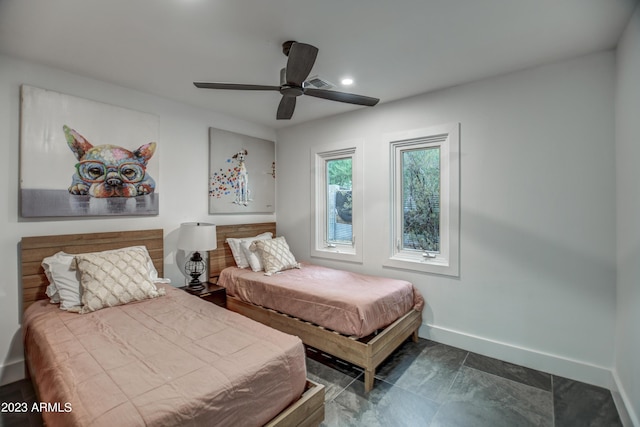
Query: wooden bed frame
{"points": [[307, 411], [366, 353]]}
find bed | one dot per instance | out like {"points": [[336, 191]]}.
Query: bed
{"points": [[171, 360], [366, 348]]}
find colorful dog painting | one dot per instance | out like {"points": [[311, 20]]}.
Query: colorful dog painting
{"points": [[109, 170], [241, 173], [242, 183]]}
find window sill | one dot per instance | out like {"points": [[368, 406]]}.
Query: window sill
{"points": [[438, 265], [338, 254]]}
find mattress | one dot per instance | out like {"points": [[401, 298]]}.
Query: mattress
{"points": [[176, 360], [349, 303]]}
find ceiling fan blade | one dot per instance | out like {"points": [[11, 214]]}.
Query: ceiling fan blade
{"points": [[234, 86], [302, 56], [286, 107], [349, 98]]}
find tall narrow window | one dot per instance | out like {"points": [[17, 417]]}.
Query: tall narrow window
{"points": [[339, 227], [425, 200], [421, 199], [337, 200]]}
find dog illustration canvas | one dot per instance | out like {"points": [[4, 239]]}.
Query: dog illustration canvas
{"points": [[109, 170], [241, 173], [80, 157], [242, 181]]}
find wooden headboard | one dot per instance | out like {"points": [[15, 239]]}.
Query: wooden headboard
{"points": [[34, 249], [222, 258]]}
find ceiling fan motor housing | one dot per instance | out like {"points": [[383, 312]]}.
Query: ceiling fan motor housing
{"points": [[288, 90], [286, 47]]}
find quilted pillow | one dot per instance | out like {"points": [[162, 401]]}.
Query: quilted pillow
{"points": [[114, 278], [276, 255], [64, 281]]}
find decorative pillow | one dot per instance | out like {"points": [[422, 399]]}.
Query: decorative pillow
{"points": [[253, 257], [276, 255], [64, 280], [238, 255], [114, 278]]}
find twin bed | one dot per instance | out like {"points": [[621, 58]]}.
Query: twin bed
{"points": [[179, 360], [385, 313], [171, 360]]}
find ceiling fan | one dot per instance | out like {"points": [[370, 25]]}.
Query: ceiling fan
{"points": [[292, 82]]}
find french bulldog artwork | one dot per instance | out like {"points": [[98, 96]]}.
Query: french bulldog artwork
{"points": [[109, 170]]}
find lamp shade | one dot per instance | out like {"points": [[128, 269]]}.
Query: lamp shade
{"points": [[197, 236]]}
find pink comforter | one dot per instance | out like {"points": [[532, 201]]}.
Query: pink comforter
{"points": [[350, 303], [176, 360]]}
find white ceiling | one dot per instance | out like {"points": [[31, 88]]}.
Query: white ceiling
{"points": [[393, 49]]}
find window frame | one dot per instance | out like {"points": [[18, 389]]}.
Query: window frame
{"points": [[446, 262], [319, 157]]}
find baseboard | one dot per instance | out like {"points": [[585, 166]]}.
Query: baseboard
{"points": [[531, 358], [12, 372], [628, 416]]}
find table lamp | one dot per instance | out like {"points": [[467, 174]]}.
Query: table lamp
{"points": [[196, 237]]}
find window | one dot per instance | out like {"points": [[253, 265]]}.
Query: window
{"points": [[337, 200], [425, 200], [420, 221]]}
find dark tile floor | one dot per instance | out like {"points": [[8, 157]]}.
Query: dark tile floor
{"points": [[428, 384], [431, 384], [20, 393]]}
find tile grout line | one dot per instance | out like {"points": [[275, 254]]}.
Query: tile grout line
{"points": [[458, 371], [419, 396], [440, 400], [507, 379], [515, 365], [553, 415], [345, 387]]}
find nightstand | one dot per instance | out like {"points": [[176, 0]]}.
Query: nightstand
{"points": [[212, 293]]}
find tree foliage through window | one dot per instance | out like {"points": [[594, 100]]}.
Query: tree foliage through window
{"points": [[340, 201], [339, 172], [421, 199]]}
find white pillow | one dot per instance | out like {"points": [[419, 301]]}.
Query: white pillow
{"points": [[64, 281], [276, 255], [238, 254], [253, 257]]}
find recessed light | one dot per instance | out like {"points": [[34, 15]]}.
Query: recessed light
{"points": [[347, 81]]}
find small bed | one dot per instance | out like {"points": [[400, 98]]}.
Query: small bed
{"points": [[386, 314], [171, 360]]}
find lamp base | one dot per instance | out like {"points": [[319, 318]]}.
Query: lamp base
{"points": [[195, 286], [195, 267]]}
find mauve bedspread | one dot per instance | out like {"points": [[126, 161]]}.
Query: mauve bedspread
{"points": [[350, 303], [176, 360]]}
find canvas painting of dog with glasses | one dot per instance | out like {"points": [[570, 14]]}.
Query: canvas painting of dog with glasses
{"points": [[110, 172]]}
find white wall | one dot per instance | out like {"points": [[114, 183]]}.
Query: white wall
{"points": [[537, 282], [627, 348], [182, 184]]}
